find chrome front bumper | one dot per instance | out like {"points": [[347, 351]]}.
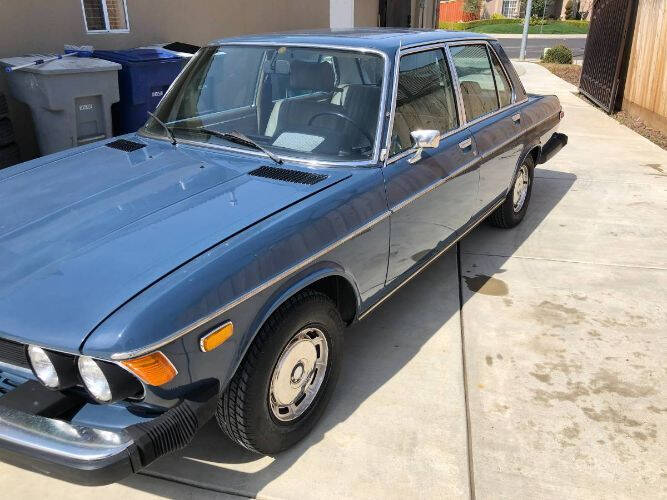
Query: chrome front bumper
{"points": [[92, 456], [80, 454]]}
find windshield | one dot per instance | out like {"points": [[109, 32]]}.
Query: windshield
{"points": [[312, 103]]}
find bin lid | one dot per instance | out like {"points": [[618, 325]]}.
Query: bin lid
{"points": [[61, 66], [136, 55]]}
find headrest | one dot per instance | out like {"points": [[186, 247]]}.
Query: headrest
{"points": [[311, 76], [470, 87]]}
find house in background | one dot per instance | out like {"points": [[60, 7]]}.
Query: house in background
{"points": [[452, 10], [43, 27]]}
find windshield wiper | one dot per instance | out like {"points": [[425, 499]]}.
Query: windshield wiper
{"points": [[169, 131], [236, 137]]}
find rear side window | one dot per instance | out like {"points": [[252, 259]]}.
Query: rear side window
{"points": [[476, 79], [503, 85], [424, 99]]}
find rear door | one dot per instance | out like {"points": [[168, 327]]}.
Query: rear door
{"points": [[492, 116], [433, 195]]}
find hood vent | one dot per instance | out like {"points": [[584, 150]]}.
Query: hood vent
{"points": [[127, 146], [287, 175]]}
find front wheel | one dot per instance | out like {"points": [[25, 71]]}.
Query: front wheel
{"points": [[514, 208], [287, 377]]}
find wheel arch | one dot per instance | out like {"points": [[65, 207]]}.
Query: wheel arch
{"points": [[328, 278], [532, 150]]}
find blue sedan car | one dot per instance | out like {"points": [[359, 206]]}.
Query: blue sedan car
{"points": [[208, 265]]}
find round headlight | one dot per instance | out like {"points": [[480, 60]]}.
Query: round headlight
{"points": [[94, 379], [42, 367]]}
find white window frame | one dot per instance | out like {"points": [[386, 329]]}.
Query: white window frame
{"points": [[515, 8], [106, 19]]}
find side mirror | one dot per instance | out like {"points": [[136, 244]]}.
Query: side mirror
{"points": [[423, 139]]}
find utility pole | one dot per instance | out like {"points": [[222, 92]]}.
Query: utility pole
{"points": [[526, 24]]}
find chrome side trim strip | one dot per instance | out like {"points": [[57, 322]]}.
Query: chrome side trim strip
{"points": [[435, 185], [250, 293], [430, 261]]}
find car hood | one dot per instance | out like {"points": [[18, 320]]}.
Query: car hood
{"points": [[82, 233]]}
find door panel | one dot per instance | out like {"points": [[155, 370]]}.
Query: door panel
{"points": [[497, 132], [499, 143], [430, 198]]}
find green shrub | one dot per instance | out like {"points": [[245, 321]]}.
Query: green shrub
{"points": [[462, 26], [569, 10], [538, 21], [575, 22], [472, 6], [560, 54], [497, 15], [540, 8]]}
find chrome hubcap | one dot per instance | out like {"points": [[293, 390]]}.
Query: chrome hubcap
{"points": [[520, 188], [298, 374]]}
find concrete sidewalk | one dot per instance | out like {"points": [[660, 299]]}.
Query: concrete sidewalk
{"points": [[561, 333], [564, 321]]}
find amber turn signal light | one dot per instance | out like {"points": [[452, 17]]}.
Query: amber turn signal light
{"points": [[152, 369], [216, 337]]}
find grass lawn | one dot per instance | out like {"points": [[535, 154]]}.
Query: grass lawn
{"points": [[555, 28]]}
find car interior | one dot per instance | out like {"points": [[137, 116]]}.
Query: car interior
{"points": [[305, 100]]}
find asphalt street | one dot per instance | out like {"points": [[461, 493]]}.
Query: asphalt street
{"points": [[536, 46]]}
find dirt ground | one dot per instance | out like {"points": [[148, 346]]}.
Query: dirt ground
{"points": [[572, 73]]}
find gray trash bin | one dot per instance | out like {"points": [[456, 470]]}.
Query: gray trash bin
{"points": [[70, 99]]}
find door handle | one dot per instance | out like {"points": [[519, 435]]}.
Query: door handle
{"points": [[465, 144], [516, 118]]}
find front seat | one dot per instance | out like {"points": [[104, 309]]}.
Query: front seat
{"points": [[294, 113]]}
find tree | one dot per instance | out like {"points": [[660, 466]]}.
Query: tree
{"points": [[569, 10], [539, 8], [472, 6]]}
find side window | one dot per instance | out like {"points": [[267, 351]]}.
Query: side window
{"points": [[424, 98], [476, 80], [502, 84]]}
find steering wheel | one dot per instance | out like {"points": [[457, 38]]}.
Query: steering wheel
{"points": [[338, 114]]}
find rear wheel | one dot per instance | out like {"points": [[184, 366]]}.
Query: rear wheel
{"points": [[287, 377], [514, 208]]}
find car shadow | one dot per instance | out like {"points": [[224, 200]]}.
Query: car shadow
{"points": [[376, 349]]}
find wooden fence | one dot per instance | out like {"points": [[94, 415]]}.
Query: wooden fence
{"points": [[452, 11], [645, 92]]}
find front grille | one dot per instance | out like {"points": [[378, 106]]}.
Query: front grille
{"points": [[288, 175], [9, 382], [13, 353]]}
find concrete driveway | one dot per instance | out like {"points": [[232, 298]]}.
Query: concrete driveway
{"points": [[532, 366]]}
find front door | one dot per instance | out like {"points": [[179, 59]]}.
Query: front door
{"points": [[492, 117], [433, 195]]}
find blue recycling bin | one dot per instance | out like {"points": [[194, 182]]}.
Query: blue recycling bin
{"points": [[145, 77]]}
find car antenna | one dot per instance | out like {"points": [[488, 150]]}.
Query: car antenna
{"points": [[164, 126]]}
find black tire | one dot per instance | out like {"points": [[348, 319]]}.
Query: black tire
{"points": [[244, 412], [505, 215]]}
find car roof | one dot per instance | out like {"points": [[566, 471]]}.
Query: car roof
{"points": [[384, 39]]}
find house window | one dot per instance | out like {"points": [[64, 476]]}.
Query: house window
{"points": [[105, 16], [510, 8]]}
